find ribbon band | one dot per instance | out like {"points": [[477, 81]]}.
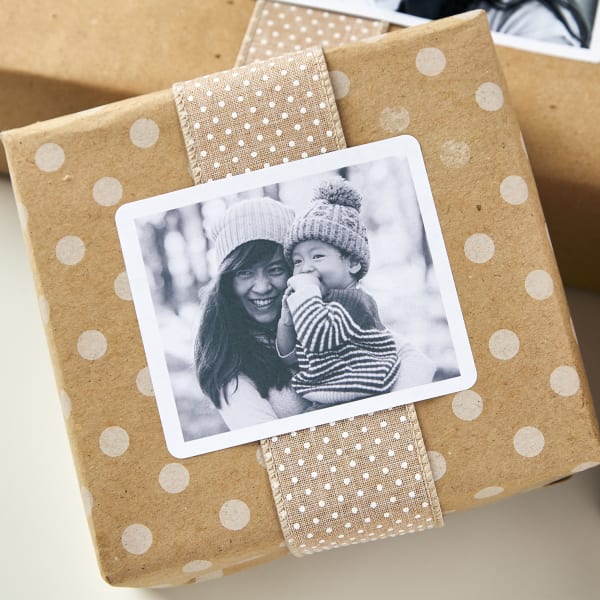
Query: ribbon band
{"points": [[346, 482]]}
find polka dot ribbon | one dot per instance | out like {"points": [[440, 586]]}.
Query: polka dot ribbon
{"points": [[277, 27], [257, 116], [341, 483], [352, 481]]}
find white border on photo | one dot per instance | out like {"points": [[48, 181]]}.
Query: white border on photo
{"points": [[402, 147], [359, 9]]}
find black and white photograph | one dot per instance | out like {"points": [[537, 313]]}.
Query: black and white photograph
{"points": [[564, 28], [294, 296]]}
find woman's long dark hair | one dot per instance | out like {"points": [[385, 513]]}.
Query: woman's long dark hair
{"points": [[435, 9], [229, 341]]}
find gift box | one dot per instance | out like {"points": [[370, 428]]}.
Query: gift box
{"points": [[528, 420]]}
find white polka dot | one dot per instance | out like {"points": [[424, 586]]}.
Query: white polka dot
{"points": [[91, 345], [136, 539], [208, 576], [394, 120], [121, 286], [514, 190], [479, 248], [70, 250], [259, 457], [455, 154], [49, 157], [144, 133], [107, 191], [174, 478], [65, 403], [489, 96], [467, 405], [488, 492], [195, 566], [529, 441], [44, 309], [539, 284], [584, 466], [340, 84], [144, 382], [437, 463], [430, 61], [234, 515], [88, 501], [114, 441], [565, 381], [504, 344]]}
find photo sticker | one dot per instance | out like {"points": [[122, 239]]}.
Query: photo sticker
{"points": [[562, 28], [293, 296]]}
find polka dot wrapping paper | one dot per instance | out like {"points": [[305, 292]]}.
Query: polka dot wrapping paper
{"points": [[528, 420]]}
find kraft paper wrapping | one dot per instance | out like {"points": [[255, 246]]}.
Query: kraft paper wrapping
{"points": [[62, 56], [528, 420]]}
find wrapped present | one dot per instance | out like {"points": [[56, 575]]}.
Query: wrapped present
{"points": [[526, 422]]}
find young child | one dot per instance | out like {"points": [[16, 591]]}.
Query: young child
{"points": [[329, 327]]}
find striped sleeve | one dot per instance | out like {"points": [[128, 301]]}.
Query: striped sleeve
{"points": [[322, 327]]}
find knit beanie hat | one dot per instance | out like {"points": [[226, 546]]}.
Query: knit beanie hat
{"points": [[249, 220], [333, 218]]}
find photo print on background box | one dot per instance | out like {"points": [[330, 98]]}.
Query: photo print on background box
{"points": [[294, 296], [563, 28]]}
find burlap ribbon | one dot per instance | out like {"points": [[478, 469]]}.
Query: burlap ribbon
{"points": [[341, 483], [276, 28]]}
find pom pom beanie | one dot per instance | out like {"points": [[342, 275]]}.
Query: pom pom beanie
{"points": [[333, 218]]}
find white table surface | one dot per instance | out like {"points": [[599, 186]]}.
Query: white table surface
{"points": [[540, 545]]}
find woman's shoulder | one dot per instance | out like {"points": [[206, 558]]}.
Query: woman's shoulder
{"points": [[242, 405], [286, 403], [243, 395], [239, 386]]}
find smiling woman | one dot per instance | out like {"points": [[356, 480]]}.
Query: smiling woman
{"points": [[258, 284], [237, 365]]}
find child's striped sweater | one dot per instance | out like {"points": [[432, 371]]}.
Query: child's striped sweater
{"points": [[343, 350]]}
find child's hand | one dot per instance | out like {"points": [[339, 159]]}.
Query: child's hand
{"points": [[303, 280], [285, 317]]}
